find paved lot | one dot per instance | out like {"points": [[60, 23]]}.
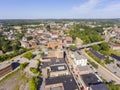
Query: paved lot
{"points": [[44, 75], [106, 74], [114, 68]]}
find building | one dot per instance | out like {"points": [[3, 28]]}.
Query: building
{"points": [[24, 44], [58, 70], [115, 57], [24, 39], [69, 41], [52, 61], [98, 55], [32, 43], [81, 70], [54, 34], [92, 82], [79, 59], [115, 46], [6, 68], [54, 44], [54, 54], [61, 83]]}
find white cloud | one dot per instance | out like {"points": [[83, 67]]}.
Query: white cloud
{"points": [[87, 6], [96, 9]]}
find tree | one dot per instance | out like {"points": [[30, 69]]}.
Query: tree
{"points": [[48, 28], [16, 45], [96, 47], [20, 35], [104, 46], [4, 46], [29, 38]]}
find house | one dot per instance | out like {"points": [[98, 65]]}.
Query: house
{"points": [[38, 33], [54, 34], [32, 43], [79, 59], [43, 42]]}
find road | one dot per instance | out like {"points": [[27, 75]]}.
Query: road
{"points": [[91, 44], [105, 73]]}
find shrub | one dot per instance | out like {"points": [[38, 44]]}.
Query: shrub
{"points": [[33, 85], [34, 70], [23, 65]]}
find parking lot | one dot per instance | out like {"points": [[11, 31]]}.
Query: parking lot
{"points": [[114, 68]]}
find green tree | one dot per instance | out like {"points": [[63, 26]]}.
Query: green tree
{"points": [[104, 46], [4, 47], [48, 28], [16, 45], [96, 47], [29, 38]]}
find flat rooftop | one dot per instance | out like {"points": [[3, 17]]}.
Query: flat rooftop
{"points": [[90, 79], [115, 57], [83, 68], [98, 55], [55, 88], [53, 61], [56, 68], [101, 86], [78, 55], [68, 82]]}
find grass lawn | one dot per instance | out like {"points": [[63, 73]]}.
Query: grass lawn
{"points": [[114, 52]]}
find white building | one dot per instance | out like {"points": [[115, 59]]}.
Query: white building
{"points": [[79, 59]]}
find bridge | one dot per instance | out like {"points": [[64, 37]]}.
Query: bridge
{"points": [[91, 44]]}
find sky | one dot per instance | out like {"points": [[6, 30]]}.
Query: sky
{"points": [[59, 9]]}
